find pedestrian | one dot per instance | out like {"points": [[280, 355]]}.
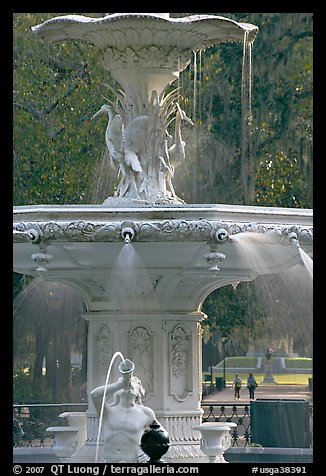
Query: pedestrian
{"points": [[251, 385], [237, 382]]}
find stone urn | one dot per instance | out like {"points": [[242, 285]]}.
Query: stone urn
{"points": [[155, 442], [215, 439]]}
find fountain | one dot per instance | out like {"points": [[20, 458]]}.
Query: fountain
{"points": [[178, 245]]}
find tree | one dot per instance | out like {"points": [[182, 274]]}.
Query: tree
{"points": [[282, 69], [57, 89], [47, 328]]}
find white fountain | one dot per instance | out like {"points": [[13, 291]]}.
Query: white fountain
{"points": [[150, 309]]}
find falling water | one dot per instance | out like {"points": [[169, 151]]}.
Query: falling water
{"points": [[48, 327], [115, 355], [199, 119], [307, 261], [246, 81], [130, 281], [252, 252], [195, 87], [284, 298], [246, 118]]}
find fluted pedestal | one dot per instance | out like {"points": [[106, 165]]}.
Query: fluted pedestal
{"points": [[166, 350]]}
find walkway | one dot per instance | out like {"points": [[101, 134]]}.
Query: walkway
{"points": [[267, 391]]}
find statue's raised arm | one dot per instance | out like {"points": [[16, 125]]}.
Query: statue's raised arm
{"points": [[125, 419]]}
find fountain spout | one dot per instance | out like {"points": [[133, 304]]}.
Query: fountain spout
{"points": [[293, 239], [127, 234], [126, 367], [221, 235]]}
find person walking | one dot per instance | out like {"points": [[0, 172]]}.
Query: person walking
{"points": [[237, 382], [251, 385]]}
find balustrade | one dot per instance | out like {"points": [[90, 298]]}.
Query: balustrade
{"points": [[30, 421]]}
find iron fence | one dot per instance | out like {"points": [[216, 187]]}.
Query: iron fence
{"points": [[30, 421]]}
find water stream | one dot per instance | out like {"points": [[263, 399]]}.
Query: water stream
{"points": [[115, 355], [131, 282], [307, 261], [246, 118], [284, 300]]}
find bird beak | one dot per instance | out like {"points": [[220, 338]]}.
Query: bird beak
{"points": [[98, 113], [186, 118]]}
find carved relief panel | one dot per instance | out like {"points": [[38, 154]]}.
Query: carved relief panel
{"points": [[140, 351], [104, 351], [181, 363]]}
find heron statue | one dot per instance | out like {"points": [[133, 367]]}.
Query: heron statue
{"points": [[125, 144], [177, 150]]}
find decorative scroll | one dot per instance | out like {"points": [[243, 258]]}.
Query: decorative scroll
{"points": [[146, 56], [140, 351], [164, 230], [181, 368], [104, 345]]}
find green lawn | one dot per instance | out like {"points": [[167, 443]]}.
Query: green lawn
{"points": [[240, 362], [298, 362], [290, 362]]}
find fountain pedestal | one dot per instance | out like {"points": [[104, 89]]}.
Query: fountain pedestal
{"points": [[268, 374], [166, 350]]}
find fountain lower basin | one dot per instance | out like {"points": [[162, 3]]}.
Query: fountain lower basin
{"points": [[153, 302]]}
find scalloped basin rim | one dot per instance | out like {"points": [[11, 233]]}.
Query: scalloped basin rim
{"points": [[114, 17], [239, 212]]}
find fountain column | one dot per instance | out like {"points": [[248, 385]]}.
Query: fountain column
{"points": [[166, 350]]}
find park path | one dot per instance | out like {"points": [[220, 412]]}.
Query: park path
{"points": [[267, 391]]}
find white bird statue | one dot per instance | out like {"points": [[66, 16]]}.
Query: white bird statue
{"points": [[178, 148], [125, 143], [113, 137], [135, 141]]}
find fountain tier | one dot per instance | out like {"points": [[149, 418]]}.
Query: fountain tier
{"points": [[144, 53], [172, 243], [148, 307], [145, 48]]}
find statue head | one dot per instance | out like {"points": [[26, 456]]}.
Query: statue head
{"points": [[132, 393]]}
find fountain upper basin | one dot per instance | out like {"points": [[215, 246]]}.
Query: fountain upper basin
{"points": [[171, 245]]}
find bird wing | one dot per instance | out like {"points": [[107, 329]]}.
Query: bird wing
{"points": [[132, 160], [135, 133], [115, 133]]}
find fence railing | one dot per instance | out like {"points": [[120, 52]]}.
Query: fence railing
{"points": [[229, 412], [30, 421]]}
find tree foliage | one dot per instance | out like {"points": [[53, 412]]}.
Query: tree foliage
{"points": [[282, 75], [58, 150], [57, 89]]}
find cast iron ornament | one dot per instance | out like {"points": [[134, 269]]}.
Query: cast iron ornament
{"points": [[155, 442]]}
